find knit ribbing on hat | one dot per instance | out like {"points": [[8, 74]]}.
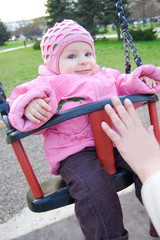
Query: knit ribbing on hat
{"points": [[58, 37]]}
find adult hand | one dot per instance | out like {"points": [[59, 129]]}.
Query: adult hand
{"points": [[138, 146]]}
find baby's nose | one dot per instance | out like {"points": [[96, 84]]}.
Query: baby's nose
{"points": [[83, 60]]}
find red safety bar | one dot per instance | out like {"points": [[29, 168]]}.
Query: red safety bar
{"points": [[27, 169], [104, 147], [154, 119]]}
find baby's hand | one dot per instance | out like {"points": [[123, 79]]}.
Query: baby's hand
{"points": [[37, 110], [149, 82]]}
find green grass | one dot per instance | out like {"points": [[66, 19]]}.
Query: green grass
{"points": [[110, 53], [18, 66], [12, 44], [21, 65]]}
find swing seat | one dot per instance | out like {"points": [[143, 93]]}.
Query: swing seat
{"points": [[54, 193]]}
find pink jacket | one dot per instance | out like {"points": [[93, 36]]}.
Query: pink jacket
{"points": [[72, 136]]}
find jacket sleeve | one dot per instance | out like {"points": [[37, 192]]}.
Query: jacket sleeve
{"points": [[151, 196], [128, 84], [19, 100]]}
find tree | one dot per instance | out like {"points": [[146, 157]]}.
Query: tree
{"points": [[59, 10], [87, 14], [32, 30], [109, 14], [94, 13], [4, 34]]}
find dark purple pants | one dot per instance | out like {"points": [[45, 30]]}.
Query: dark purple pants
{"points": [[97, 205]]}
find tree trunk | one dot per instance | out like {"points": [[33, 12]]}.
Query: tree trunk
{"points": [[118, 33]]}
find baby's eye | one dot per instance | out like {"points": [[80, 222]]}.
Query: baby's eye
{"points": [[87, 54], [71, 56]]}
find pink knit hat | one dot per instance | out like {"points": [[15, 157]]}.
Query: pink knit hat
{"points": [[58, 37]]}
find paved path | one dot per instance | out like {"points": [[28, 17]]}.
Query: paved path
{"points": [[61, 224], [15, 48]]}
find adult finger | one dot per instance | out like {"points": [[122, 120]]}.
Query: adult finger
{"points": [[118, 123], [132, 113], [123, 112], [110, 133]]}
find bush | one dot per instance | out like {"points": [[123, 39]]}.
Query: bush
{"points": [[4, 34], [148, 34], [37, 45]]}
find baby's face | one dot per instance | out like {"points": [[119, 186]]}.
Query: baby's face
{"points": [[77, 58]]}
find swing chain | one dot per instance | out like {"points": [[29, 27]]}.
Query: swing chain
{"points": [[126, 54], [127, 39]]}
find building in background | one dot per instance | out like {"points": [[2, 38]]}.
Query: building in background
{"points": [[12, 26]]}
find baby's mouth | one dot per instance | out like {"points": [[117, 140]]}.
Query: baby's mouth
{"points": [[82, 72]]}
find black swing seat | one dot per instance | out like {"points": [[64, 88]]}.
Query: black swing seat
{"points": [[55, 191], [56, 195]]}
